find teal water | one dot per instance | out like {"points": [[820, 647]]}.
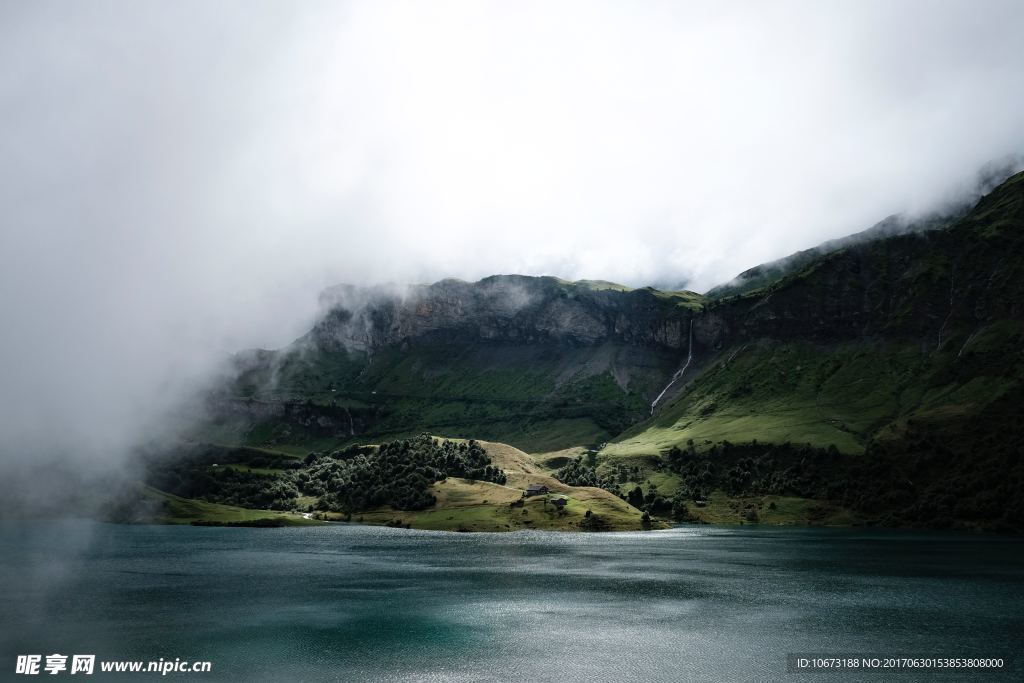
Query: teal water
{"points": [[353, 603]]}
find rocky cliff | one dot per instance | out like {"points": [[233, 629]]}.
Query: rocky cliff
{"points": [[504, 309]]}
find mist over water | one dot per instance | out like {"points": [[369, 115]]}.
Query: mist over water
{"points": [[179, 181]]}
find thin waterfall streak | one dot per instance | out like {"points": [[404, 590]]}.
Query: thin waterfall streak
{"points": [[961, 352], [679, 372]]}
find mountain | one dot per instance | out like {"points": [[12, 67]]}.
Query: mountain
{"points": [[866, 323], [882, 372], [535, 361], [903, 352]]}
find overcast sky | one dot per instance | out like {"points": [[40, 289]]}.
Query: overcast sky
{"points": [[179, 179]]}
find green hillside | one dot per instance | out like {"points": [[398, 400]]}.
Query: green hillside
{"points": [[905, 356], [775, 391], [880, 378]]}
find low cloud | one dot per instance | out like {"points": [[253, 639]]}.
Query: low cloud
{"points": [[179, 180]]}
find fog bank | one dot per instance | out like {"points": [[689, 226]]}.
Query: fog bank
{"points": [[178, 181]]}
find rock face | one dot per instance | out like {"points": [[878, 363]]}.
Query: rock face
{"points": [[503, 308]]}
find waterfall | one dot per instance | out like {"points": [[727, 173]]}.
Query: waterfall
{"points": [[973, 335], [679, 372]]}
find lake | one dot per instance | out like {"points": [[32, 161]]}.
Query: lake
{"points": [[353, 603]]}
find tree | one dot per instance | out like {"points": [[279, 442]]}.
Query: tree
{"points": [[636, 497]]}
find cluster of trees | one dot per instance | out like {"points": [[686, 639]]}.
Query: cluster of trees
{"points": [[398, 473], [960, 474], [624, 473], [578, 473], [197, 477], [653, 503], [754, 469], [973, 477]]}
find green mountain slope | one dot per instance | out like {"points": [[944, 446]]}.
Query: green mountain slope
{"points": [[776, 391], [883, 374], [909, 325], [906, 354]]}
